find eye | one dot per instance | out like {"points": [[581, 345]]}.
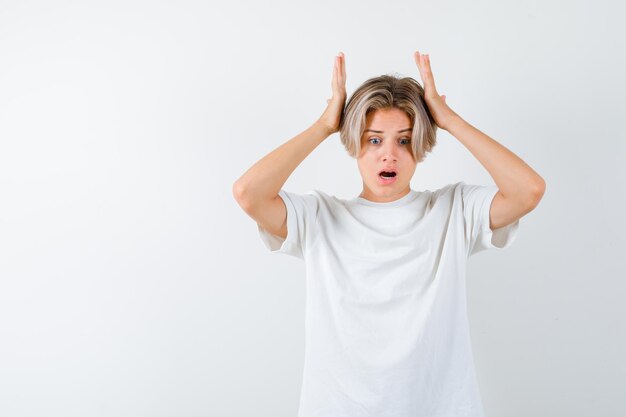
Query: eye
{"points": [[407, 141]]}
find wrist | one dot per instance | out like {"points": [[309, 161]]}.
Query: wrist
{"points": [[454, 123], [322, 128]]}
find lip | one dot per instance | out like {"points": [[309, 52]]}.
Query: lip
{"points": [[384, 181]]}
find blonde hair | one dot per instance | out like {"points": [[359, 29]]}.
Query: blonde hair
{"points": [[384, 92]]}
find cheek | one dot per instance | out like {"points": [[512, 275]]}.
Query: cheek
{"points": [[365, 170], [364, 163]]}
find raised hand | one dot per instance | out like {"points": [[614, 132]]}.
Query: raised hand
{"points": [[332, 115], [437, 106]]}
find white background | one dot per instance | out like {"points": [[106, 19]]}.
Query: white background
{"points": [[131, 282]]}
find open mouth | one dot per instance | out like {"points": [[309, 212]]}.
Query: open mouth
{"points": [[387, 177], [387, 174]]}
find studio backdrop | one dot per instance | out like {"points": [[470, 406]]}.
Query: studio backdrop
{"points": [[133, 284]]}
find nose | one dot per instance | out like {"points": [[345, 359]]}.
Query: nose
{"points": [[389, 154]]}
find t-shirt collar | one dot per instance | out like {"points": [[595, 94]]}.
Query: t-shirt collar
{"points": [[395, 203]]}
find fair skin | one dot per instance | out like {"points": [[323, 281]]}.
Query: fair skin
{"points": [[520, 187], [256, 191], [391, 148]]}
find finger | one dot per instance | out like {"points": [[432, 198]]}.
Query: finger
{"points": [[341, 71], [338, 70], [416, 57], [335, 71], [419, 60], [343, 68], [429, 80]]}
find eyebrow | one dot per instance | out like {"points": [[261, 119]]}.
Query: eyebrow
{"points": [[380, 131]]}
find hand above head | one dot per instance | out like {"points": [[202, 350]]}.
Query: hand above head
{"points": [[442, 114], [332, 115]]}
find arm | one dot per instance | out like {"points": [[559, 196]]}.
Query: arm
{"points": [[267, 176], [520, 187], [256, 191]]}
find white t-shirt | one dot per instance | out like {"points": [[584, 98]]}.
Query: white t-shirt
{"points": [[386, 326]]}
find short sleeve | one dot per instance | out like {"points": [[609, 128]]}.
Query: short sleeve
{"points": [[302, 212], [477, 201]]}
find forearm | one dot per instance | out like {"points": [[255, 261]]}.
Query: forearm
{"points": [[267, 176], [514, 178]]}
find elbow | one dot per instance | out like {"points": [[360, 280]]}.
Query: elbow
{"points": [[242, 196], [237, 191], [538, 190], [239, 196]]}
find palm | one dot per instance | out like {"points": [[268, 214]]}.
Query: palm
{"points": [[332, 115], [436, 103]]}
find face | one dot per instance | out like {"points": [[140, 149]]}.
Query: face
{"points": [[386, 145]]}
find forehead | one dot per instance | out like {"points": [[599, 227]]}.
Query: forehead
{"points": [[388, 120]]}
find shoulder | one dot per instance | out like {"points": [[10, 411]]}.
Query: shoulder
{"points": [[311, 201], [324, 198], [461, 189], [447, 191], [459, 193]]}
